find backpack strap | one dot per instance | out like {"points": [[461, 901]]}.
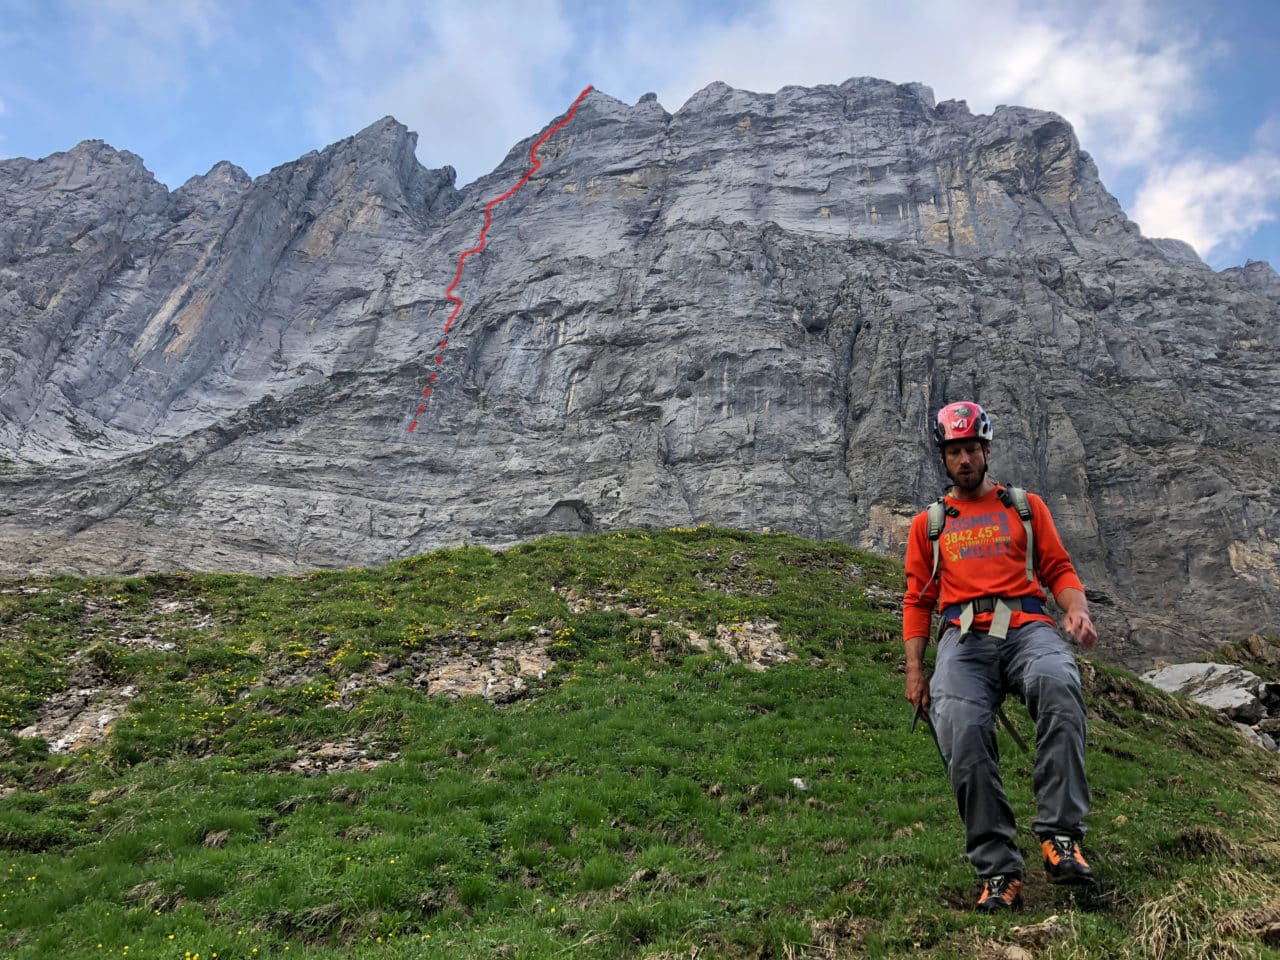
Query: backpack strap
{"points": [[1016, 497], [937, 520]]}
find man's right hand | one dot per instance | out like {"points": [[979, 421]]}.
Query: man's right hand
{"points": [[917, 682], [917, 687]]}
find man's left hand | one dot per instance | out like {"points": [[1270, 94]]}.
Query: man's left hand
{"points": [[1079, 624]]}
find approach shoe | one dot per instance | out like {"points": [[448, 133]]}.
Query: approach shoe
{"points": [[1064, 862], [1001, 892]]}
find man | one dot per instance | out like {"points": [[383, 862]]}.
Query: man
{"points": [[998, 638]]}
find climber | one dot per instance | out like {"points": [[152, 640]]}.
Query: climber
{"points": [[986, 557]]}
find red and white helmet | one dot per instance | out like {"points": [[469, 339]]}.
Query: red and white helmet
{"points": [[963, 420]]}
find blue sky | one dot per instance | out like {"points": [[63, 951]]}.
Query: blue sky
{"points": [[1178, 102]]}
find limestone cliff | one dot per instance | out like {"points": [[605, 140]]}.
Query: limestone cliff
{"points": [[742, 313]]}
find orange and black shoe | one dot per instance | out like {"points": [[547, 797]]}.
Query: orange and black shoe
{"points": [[1065, 863], [1001, 892]]}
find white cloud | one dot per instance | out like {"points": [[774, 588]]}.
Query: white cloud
{"points": [[1213, 205], [202, 19], [144, 48], [1118, 75], [471, 80], [1267, 136], [474, 79]]}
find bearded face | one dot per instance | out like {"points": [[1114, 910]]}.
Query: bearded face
{"points": [[966, 464]]}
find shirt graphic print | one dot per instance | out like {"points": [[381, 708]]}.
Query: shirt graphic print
{"points": [[980, 536]]}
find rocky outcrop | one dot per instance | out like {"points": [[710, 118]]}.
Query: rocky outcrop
{"points": [[1251, 704], [1179, 251], [133, 316], [741, 313]]}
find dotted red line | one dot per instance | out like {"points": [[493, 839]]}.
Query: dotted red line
{"points": [[488, 221]]}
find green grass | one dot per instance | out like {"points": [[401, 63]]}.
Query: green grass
{"points": [[643, 798]]}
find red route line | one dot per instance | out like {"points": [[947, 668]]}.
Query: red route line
{"points": [[488, 221]]}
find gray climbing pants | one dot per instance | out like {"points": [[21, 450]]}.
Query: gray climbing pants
{"points": [[970, 680]]}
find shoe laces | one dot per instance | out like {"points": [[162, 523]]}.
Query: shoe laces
{"points": [[1064, 845], [998, 885]]}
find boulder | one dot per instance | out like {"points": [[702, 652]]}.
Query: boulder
{"points": [[1231, 690], [1270, 726]]}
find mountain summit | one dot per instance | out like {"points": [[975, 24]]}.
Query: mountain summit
{"points": [[742, 313]]}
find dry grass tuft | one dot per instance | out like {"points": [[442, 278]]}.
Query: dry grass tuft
{"points": [[1261, 921], [837, 936], [1189, 920], [1200, 842], [1043, 934], [153, 898]]}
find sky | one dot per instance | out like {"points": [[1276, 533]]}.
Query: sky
{"points": [[1178, 101]]}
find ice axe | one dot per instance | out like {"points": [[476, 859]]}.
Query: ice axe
{"points": [[1008, 725], [932, 731], [1013, 731]]}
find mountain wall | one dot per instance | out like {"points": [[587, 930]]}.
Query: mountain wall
{"points": [[742, 313]]}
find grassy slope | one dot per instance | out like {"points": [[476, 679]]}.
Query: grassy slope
{"points": [[641, 802]]}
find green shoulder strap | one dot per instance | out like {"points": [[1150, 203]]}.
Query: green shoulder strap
{"points": [[1016, 497]]}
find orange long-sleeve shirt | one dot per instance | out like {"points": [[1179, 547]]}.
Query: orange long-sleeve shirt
{"points": [[984, 554]]}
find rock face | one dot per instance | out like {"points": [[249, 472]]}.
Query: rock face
{"points": [[742, 313]]}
